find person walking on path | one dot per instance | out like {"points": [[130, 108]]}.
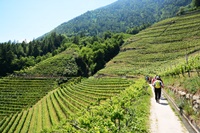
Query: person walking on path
{"points": [[163, 119], [158, 85]]}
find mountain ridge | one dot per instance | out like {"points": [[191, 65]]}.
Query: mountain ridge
{"points": [[120, 16]]}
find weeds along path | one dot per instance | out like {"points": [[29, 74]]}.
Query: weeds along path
{"points": [[163, 119]]}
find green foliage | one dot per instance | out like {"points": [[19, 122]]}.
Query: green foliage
{"points": [[15, 56], [128, 112], [121, 16], [59, 65], [192, 64], [136, 30], [59, 105], [93, 105], [192, 85], [187, 84], [17, 94], [196, 3], [74, 56], [159, 49]]}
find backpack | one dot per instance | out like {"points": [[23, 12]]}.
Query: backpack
{"points": [[157, 84]]}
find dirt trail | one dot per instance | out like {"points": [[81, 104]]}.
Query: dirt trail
{"points": [[163, 119]]}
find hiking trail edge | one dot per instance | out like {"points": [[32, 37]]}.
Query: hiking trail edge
{"points": [[163, 119]]}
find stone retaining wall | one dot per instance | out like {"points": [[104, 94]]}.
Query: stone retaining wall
{"points": [[195, 99]]}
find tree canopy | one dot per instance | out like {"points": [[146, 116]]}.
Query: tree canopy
{"points": [[121, 16], [58, 55], [196, 3]]}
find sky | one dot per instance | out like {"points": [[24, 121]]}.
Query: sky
{"points": [[29, 19]]}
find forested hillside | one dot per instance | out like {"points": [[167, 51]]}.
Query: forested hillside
{"points": [[16, 56], [58, 55], [120, 16]]}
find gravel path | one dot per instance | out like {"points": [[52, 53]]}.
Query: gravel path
{"points": [[163, 119]]}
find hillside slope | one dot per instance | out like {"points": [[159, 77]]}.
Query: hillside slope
{"points": [[148, 52], [120, 16], [157, 48], [58, 106], [63, 64], [82, 57]]}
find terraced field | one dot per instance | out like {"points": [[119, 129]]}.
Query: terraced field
{"points": [[63, 64], [157, 48], [35, 105], [17, 94], [63, 103]]}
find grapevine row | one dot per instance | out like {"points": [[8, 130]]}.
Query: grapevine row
{"points": [[59, 105]]}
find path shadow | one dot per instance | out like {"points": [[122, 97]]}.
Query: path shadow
{"points": [[163, 98], [163, 103]]}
